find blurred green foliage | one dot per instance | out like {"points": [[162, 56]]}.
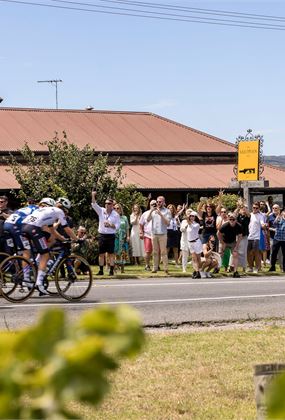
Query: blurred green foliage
{"points": [[45, 367], [276, 398]]}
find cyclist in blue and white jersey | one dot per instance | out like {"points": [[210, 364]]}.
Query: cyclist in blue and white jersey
{"points": [[13, 225], [38, 227]]}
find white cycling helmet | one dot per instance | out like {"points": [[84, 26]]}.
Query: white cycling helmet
{"points": [[48, 201], [64, 202]]}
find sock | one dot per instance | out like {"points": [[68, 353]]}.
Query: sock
{"points": [[40, 277]]}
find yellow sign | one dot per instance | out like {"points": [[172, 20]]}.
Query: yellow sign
{"points": [[248, 160]]}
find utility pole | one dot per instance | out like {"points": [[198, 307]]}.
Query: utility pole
{"points": [[54, 83]]}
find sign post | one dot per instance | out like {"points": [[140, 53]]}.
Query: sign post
{"points": [[249, 165]]}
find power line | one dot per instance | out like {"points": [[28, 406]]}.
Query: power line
{"points": [[179, 18], [161, 13], [183, 8]]}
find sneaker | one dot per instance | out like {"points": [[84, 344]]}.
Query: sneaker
{"points": [[166, 272], [154, 271], [208, 275], [236, 274], [203, 274], [255, 270], [147, 268], [194, 275], [198, 276], [250, 270], [272, 269], [184, 271], [216, 270], [42, 290], [100, 273]]}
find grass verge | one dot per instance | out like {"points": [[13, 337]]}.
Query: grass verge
{"points": [[192, 375], [137, 272]]}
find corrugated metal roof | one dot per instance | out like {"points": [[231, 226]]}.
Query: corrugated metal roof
{"points": [[7, 179], [174, 176], [192, 176], [105, 131]]}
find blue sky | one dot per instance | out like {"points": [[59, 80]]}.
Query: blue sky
{"points": [[221, 80]]}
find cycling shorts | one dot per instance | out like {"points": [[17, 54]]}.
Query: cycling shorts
{"points": [[37, 236]]}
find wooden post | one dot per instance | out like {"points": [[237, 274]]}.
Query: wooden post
{"points": [[263, 376]]}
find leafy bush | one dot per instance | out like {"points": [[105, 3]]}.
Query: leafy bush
{"points": [[45, 367], [67, 170]]}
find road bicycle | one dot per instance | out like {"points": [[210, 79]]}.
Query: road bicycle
{"points": [[64, 275]]}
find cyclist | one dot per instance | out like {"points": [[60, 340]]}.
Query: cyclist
{"points": [[13, 225], [38, 227]]}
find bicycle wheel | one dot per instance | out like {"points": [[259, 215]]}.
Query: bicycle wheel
{"points": [[17, 278], [71, 281]]}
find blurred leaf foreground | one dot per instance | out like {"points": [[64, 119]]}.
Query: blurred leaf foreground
{"points": [[47, 366]]}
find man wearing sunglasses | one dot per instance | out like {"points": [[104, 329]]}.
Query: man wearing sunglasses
{"points": [[230, 235], [109, 223], [257, 221], [160, 217]]}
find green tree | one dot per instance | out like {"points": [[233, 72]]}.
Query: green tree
{"points": [[69, 171], [229, 201], [49, 365]]}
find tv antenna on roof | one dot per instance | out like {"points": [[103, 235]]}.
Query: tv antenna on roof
{"points": [[54, 83]]}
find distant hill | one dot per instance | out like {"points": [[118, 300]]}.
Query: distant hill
{"points": [[275, 160]]}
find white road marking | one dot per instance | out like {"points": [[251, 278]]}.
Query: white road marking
{"points": [[189, 283], [137, 302]]}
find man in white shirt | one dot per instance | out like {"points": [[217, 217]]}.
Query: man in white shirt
{"points": [[109, 223], [255, 225], [160, 217]]}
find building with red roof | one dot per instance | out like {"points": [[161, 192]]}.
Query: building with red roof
{"points": [[158, 155]]}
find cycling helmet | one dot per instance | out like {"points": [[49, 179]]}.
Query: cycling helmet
{"points": [[64, 202], [48, 201]]}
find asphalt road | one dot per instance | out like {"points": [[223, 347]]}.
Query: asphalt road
{"points": [[167, 301]]}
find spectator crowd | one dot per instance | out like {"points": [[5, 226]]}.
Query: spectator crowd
{"points": [[211, 238]]}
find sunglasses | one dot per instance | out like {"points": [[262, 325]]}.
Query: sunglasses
{"points": [[107, 202], [223, 211], [255, 208], [232, 220]]}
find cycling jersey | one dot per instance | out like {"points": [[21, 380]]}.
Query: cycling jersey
{"points": [[46, 216], [13, 225], [18, 216]]}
